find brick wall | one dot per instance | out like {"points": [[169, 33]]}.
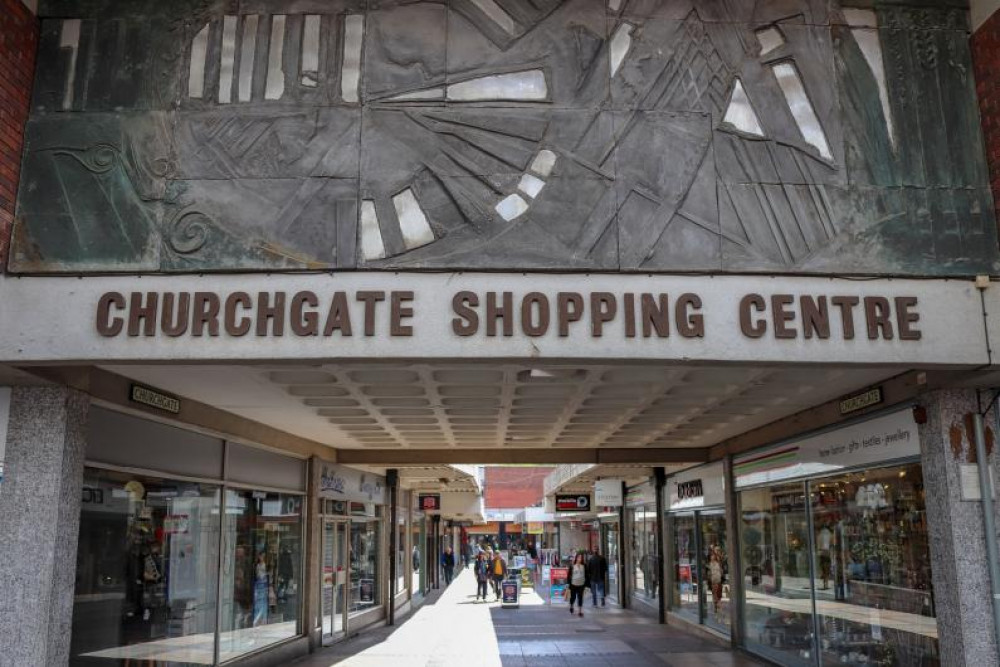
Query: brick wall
{"points": [[18, 41], [514, 488]]}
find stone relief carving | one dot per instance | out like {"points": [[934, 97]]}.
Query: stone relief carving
{"points": [[636, 135]]}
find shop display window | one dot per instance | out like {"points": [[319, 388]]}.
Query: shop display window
{"points": [[776, 573], [646, 558], [837, 570], [400, 555], [610, 531], [365, 553], [417, 556], [874, 600], [686, 573], [146, 571], [261, 570], [716, 594]]}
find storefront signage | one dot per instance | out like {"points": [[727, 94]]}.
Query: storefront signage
{"points": [[886, 438], [861, 401], [643, 495], [608, 493], [573, 503], [690, 490], [348, 484], [702, 486], [498, 315], [429, 502], [536, 527], [154, 399]]}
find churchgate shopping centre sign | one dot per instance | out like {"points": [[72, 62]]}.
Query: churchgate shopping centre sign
{"points": [[463, 315]]}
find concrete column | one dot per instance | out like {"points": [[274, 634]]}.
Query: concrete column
{"points": [[958, 554], [314, 544], [40, 523], [736, 579]]}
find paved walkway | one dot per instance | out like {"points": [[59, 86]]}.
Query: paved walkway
{"points": [[452, 628]]}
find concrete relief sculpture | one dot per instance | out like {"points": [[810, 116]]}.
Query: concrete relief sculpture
{"points": [[633, 135]]}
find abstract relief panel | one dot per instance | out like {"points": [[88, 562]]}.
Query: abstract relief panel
{"points": [[631, 135]]}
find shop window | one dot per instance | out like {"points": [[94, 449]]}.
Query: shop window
{"points": [[775, 541], [146, 571], [647, 561], [261, 571], [855, 547], [416, 555], [686, 574], [874, 600], [365, 548], [716, 595], [400, 555]]}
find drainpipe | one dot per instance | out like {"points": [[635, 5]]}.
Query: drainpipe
{"points": [[989, 518]]}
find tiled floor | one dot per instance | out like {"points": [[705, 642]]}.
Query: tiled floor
{"points": [[452, 628]]}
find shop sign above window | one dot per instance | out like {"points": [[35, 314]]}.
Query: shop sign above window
{"points": [[430, 502], [861, 401], [702, 486], [341, 483], [886, 438], [608, 493], [573, 503], [154, 399]]}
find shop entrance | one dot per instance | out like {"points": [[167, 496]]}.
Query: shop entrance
{"points": [[334, 580]]}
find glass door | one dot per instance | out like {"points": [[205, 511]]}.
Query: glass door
{"points": [[715, 589], [334, 578]]}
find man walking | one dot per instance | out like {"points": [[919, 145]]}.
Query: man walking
{"points": [[597, 572], [448, 565], [498, 570]]}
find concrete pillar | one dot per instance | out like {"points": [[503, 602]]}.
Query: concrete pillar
{"points": [[40, 522], [958, 554]]}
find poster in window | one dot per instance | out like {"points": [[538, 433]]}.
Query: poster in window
{"points": [[368, 591]]}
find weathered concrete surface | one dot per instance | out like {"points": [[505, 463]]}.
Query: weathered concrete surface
{"points": [[213, 135]]}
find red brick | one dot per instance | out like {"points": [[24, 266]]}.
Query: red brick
{"points": [[18, 41]]}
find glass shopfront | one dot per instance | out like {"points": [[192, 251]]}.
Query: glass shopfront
{"points": [[353, 503], [836, 566], [366, 543], [418, 555], [174, 568], [644, 533], [700, 588], [609, 538]]}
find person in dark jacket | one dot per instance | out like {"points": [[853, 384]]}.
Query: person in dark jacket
{"points": [[481, 568], [597, 572], [448, 565]]}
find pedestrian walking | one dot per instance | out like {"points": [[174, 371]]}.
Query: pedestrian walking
{"points": [[498, 570], [597, 572], [481, 568], [448, 565], [577, 582]]}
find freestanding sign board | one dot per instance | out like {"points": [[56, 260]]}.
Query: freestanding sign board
{"points": [[560, 582], [510, 592]]}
